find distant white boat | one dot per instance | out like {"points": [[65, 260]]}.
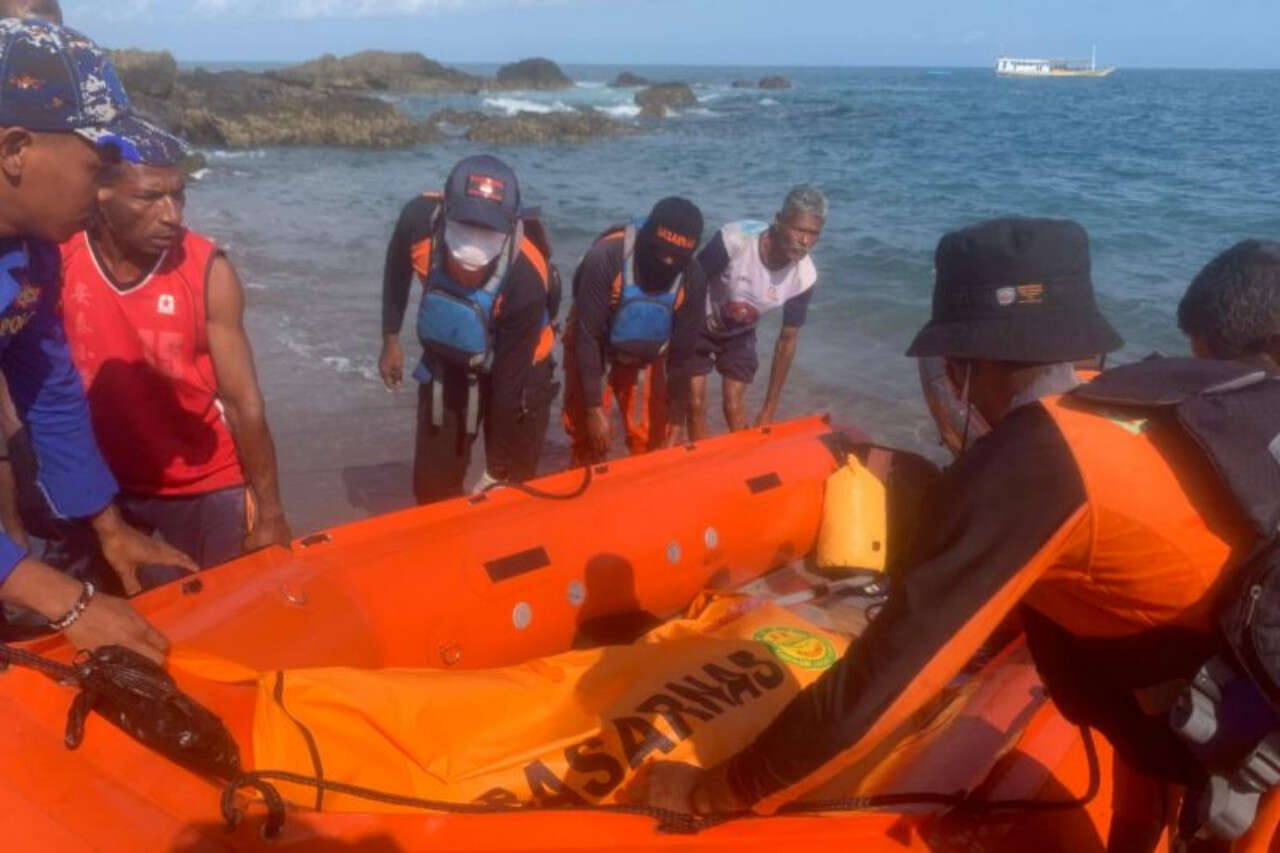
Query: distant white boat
{"points": [[1010, 66]]}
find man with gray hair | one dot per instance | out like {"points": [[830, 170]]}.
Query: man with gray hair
{"points": [[752, 268]]}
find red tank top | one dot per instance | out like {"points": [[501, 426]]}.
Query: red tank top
{"points": [[143, 354]]}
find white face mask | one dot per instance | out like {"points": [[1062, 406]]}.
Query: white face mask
{"points": [[959, 422], [473, 247]]}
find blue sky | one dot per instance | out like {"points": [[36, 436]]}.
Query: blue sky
{"points": [[1131, 33]]}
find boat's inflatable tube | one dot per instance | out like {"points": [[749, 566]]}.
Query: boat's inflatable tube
{"points": [[491, 581]]}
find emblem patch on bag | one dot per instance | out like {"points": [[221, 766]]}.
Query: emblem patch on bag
{"points": [[797, 647]]}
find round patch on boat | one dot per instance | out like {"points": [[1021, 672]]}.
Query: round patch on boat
{"points": [[797, 647]]}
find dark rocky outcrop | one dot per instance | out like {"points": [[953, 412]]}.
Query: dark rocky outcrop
{"points": [[536, 73], [775, 82], [656, 100], [627, 80], [238, 109], [318, 103], [151, 74], [532, 128], [378, 71]]}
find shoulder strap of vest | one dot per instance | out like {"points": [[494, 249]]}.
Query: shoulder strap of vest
{"points": [[1159, 382], [1231, 410], [536, 231]]}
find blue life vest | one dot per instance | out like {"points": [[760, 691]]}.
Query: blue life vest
{"points": [[454, 321], [642, 322]]}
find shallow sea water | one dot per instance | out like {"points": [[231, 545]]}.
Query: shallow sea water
{"points": [[1164, 168]]}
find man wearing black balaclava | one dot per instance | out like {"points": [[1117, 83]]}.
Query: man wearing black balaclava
{"points": [[639, 297]]}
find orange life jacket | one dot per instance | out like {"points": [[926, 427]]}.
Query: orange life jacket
{"points": [[1160, 531]]}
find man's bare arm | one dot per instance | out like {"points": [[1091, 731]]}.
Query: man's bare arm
{"points": [[242, 400]]}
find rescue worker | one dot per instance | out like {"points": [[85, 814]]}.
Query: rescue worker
{"points": [[639, 298], [485, 323], [753, 268], [61, 107], [154, 315], [1112, 534]]}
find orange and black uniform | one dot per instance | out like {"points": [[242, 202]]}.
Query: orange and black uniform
{"points": [[515, 394], [1112, 535], [593, 375]]}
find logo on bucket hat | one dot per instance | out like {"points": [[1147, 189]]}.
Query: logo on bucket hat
{"points": [[57, 80]]}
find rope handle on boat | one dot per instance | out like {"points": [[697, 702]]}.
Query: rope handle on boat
{"points": [[60, 672], [670, 822], [588, 474]]}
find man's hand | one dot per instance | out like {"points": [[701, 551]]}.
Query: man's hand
{"points": [[598, 430], [110, 621], [126, 549], [106, 621], [684, 788], [391, 362], [267, 531]]}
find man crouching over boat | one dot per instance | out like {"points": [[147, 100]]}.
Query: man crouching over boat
{"points": [[1109, 530], [752, 268], [154, 315]]}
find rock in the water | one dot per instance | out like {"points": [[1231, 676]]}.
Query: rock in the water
{"points": [[148, 73], [536, 73], [529, 128], [743, 84], [238, 109], [378, 70], [453, 122], [775, 82], [656, 100], [627, 80]]}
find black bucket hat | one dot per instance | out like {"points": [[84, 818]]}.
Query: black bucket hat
{"points": [[1015, 290]]}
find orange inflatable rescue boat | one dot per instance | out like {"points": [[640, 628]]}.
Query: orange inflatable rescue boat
{"points": [[489, 673]]}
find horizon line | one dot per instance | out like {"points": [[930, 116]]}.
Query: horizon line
{"points": [[625, 66]]}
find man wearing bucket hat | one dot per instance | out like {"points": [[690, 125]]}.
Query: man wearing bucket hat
{"points": [[485, 323], [63, 116], [1108, 531]]}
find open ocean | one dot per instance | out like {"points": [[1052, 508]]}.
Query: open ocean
{"points": [[1164, 169]]}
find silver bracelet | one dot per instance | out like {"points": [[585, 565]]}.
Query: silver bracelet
{"points": [[77, 610]]}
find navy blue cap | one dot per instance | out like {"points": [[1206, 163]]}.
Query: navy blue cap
{"points": [[58, 80], [482, 190]]}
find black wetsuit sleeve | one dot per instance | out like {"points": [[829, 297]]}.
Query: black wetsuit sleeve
{"points": [[412, 227], [690, 316], [714, 257], [688, 323], [989, 527], [592, 285], [516, 333], [796, 309]]}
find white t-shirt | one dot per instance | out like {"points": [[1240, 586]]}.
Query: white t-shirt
{"points": [[740, 291]]}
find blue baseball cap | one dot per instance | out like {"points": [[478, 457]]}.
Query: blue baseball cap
{"points": [[57, 80], [482, 190]]}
